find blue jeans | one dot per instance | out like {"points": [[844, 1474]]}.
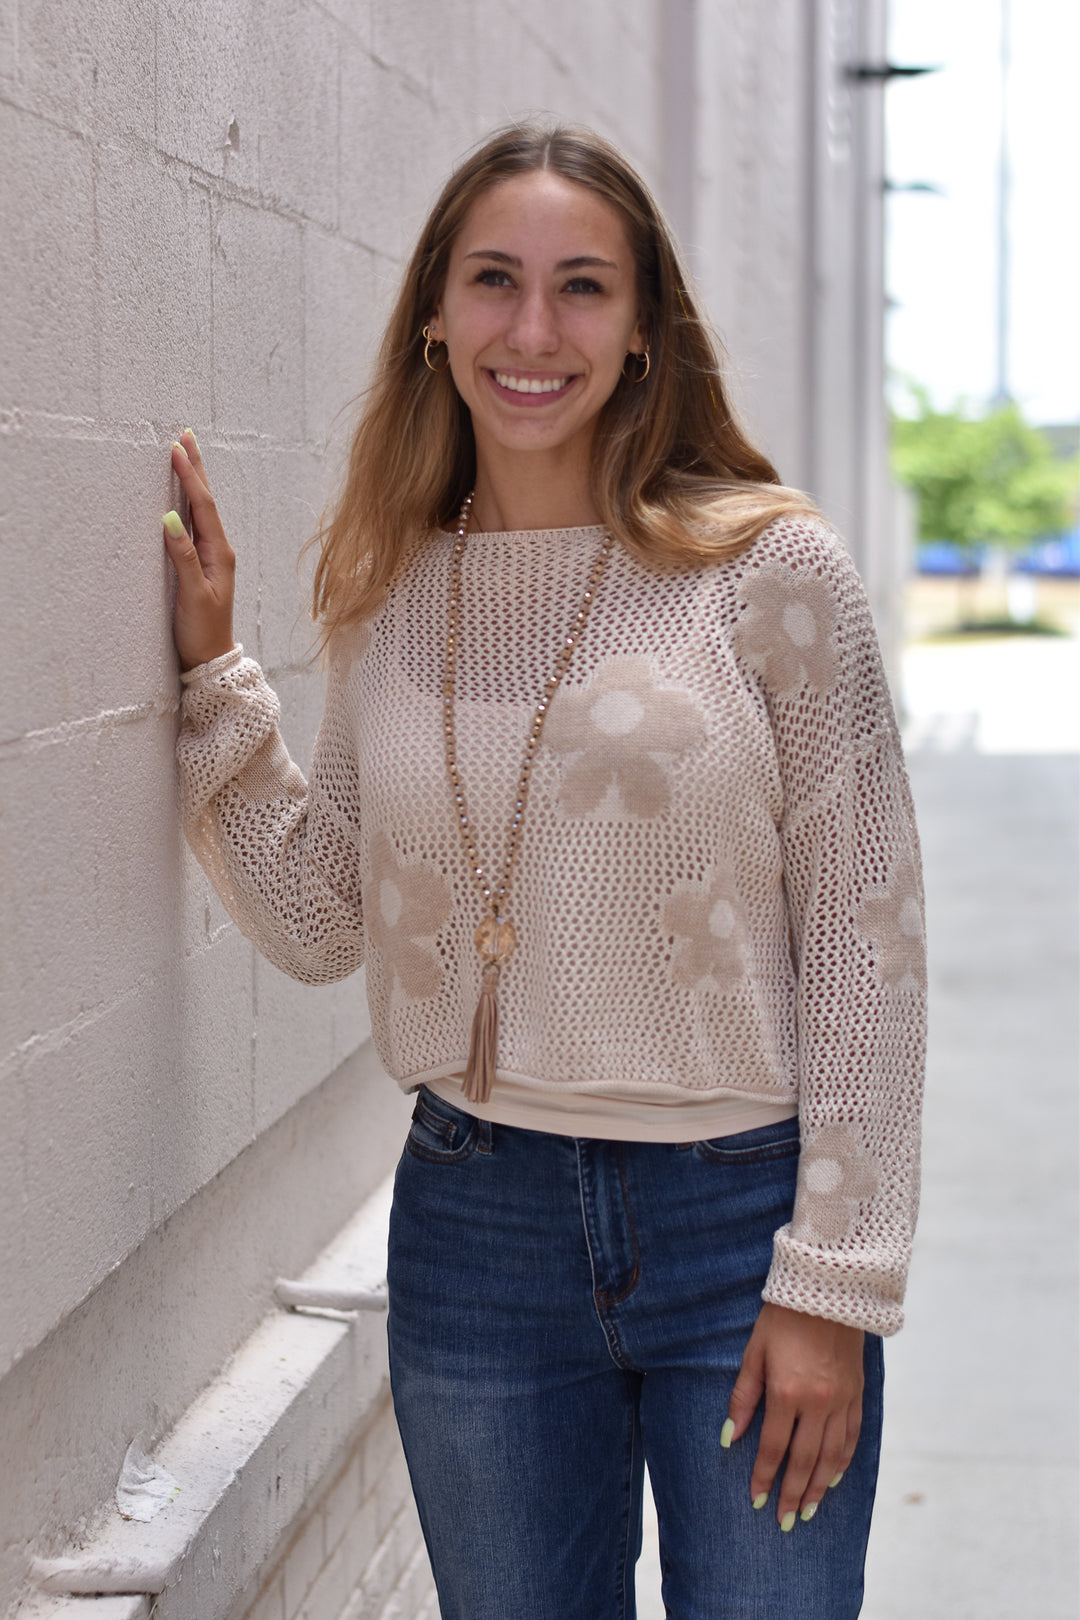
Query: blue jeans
{"points": [[563, 1310]]}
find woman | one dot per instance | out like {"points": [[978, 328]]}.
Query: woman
{"points": [[608, 796]]}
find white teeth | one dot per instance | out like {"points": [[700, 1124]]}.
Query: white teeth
{"points": [[530, 385]]}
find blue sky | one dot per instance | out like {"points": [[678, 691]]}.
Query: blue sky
{"points": [[942, 250]]}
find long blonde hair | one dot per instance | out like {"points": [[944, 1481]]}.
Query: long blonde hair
{"points": [[675, 479]]}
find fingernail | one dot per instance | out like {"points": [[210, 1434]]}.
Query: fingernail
{"points": [[760, 1501], [787, 1522], [173, 526], [194, 440], [726, 1433], [833, 1483], [808, 1512], [178, 446]]}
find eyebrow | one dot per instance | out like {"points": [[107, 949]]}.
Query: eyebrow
{"points": [[584, 261]]}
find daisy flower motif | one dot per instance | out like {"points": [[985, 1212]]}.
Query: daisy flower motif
{"points": [[402, 905], [836, 1175], [611, 731], [786, 633], [890, 919], [709, 926]]}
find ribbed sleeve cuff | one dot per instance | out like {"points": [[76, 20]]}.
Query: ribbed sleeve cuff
{"points": [[834, 1286], [216, 666]]}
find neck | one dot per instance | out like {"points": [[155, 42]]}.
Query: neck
{"points": [[533, 490]]}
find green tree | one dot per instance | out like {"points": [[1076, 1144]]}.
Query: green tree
{"points": [[992, 478]]}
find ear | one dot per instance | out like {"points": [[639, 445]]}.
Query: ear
{"points": [[639, 341], [434, 325]]}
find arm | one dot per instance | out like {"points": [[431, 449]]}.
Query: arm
{"points": [[283, 855], [851, 874]]}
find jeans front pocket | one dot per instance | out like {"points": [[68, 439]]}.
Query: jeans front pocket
{"points": [[760, 1146], [441, 1133]]}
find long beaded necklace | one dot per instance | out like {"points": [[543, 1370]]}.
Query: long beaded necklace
{"points": [[496, 938]]}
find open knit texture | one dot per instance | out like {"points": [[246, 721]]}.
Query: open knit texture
{"points": [[718, 891]]}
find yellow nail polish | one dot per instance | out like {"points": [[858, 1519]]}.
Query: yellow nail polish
{"points": [[787, 1523], [808, 1512], [833, 1483], [760, 1501], [173, 526], [726, 1433], [194, 440]]}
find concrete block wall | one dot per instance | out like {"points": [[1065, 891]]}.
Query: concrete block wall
{"points": [[205, 208], [359, 1554]]}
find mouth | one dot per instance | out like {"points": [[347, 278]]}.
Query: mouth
{"points": [[521, 388]]}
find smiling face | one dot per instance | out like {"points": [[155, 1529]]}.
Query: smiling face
{"points": [[539, 311]]}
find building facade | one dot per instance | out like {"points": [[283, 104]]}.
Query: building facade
{"points": [[205, 209]]}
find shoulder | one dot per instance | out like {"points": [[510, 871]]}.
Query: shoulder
{"points": [[804, 544], [798, 604]]}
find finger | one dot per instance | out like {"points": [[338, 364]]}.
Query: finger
{"points": [[749, 1388], [215, 553], [185, 558], [830, 1462], [851, 1440], [803, 1453], [190, 446], [773, 1442]]}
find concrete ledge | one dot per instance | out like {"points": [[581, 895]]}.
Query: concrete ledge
{"points": [[86, 1608], [248, 1452]]}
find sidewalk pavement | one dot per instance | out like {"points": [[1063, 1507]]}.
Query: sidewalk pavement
{"points": [[976, 1516]]}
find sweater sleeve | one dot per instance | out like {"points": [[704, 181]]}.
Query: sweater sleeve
{"points": [[282, 853], [853, 887]]}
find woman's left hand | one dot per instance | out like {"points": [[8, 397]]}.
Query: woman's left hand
{"points": [[811, 1373]]}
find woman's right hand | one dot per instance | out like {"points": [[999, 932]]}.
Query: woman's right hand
{"points": [[205, 565]]}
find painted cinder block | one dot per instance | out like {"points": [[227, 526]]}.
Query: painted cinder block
{"points": [[329, 1591], [293, 1041], [293, 491], [382, 1444], [345, 309], [153, 269], [89, 67], [399, 26], [89, 1194], [92, 873], [295, 66], [258, 376], [85, 618], [203, 1107], [9, 34], [270, 1605], [302, 1563], [414, 1590], [49, 357], [393, 156], [359, 1544], [341, 1504], [207, 99]]}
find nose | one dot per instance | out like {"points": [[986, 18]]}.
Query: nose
{"points": [[533, 329]]}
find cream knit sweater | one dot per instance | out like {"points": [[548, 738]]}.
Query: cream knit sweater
{"points": [[717, 896]]}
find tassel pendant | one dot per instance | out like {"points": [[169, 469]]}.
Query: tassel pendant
{"points": [[495, 941], [484, 1041]]}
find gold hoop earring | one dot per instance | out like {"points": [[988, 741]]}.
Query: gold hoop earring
{"points": [[433, 343], [644, 355]]}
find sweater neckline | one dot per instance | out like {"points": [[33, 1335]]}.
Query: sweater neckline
{"points": [[587, 531]]}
